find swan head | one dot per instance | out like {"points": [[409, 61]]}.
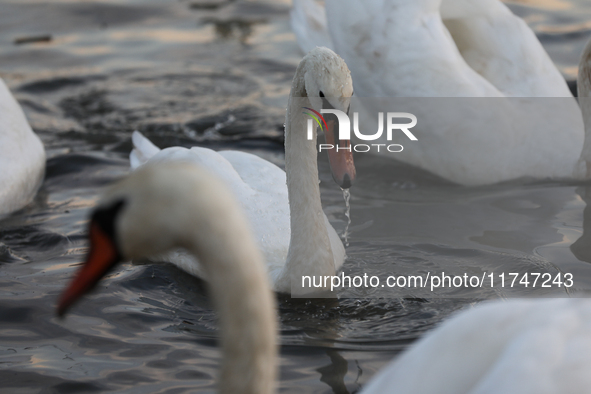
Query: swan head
{"points": [[134, 220], [328, 85], [327, 80]]}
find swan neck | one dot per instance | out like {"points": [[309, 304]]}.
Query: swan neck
{"points": [[242, 296], [301, 167], [309, 248]]}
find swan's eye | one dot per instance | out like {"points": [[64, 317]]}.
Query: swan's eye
{"points": [[321, 94], [105, 217]]}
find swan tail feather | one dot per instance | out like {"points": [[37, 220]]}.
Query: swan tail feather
{"points": [[143, 150]]}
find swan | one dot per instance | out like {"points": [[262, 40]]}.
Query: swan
{"points": [[480, 45], [22, 156], [460, 49], [170, 205], [515, 346], [284, 208]]}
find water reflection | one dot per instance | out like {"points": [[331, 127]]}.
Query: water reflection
{"points": [[334, 373]]}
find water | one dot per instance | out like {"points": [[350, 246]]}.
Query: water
{"points": [[187, 73]]}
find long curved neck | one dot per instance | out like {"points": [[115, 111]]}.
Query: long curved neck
{"points": [[309, 249], [584, 93], [243, 298]]}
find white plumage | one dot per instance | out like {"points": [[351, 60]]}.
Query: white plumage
{"points": [[513, 347], [294, 242], [453, 49], [254, 186], [22, 157]]}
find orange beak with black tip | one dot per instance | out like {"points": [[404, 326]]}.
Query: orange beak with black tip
{"points": [[102, 256]]}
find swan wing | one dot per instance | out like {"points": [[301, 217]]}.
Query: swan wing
{"points": [[145, 151], [259, 187], [258, 173], [268, 206]]}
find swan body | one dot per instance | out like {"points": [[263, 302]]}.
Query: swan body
{"points": [[431, 48], [455, 49], [517, 346], [284, 208], [254, 187], [170, 205], [22, 157]]}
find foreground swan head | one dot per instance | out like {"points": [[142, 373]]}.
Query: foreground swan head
{"points": [[325, 80], [170, 205]]}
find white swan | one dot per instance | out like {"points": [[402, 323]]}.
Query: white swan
{"points": [[293, 232], [22, 157], [434, 48], [170, 205], [513, 347]]}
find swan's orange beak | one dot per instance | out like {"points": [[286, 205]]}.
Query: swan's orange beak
{"points": [[341, 156], [103, 255]]}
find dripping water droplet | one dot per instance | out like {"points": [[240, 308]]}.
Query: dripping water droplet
{"points": [[347, 197]]}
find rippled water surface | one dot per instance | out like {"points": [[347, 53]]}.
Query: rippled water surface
{"points": [[217, 74]]}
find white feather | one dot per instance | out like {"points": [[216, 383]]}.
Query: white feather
{"points": [[22, 157]]}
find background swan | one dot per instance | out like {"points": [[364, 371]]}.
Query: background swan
{"points": [[169, 205], [433, 48], [481, 45], [22, 157], [519, 346], [293, 232]]}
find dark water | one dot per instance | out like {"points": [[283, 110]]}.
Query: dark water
{"points": [[217, 74]]}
